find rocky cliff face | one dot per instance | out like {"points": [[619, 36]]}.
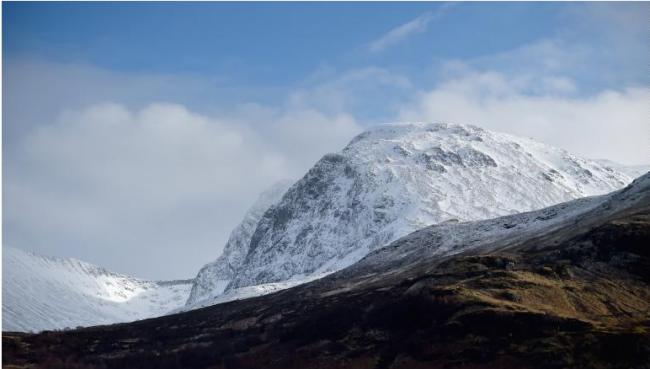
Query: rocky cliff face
{"points": [[213, 278]]}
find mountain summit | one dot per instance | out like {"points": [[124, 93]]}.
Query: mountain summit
{"points": [[394, 179]]}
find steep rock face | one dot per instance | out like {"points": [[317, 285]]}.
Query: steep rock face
{"points": [[213, 278], [41, 293], [394, 179]]}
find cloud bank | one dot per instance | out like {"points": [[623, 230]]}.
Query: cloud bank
{"points": [[133, 189]]}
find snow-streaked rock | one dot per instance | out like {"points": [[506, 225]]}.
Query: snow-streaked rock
{"points": [[213, 278], [394, 179], [44, 293]]}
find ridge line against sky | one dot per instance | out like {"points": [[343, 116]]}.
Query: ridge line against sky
{"points": [[123, 134]]}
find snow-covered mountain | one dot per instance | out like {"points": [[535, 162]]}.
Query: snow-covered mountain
{"points": [[213, 278], [394, 179], [40, 293]]}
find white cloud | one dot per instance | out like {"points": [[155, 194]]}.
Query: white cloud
{"points": [[410, 28], [609, 124], [304, 135], [137, 189]]}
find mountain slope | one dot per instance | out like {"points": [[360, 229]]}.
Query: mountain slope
{"points": [[213, 278], [41, 293], [562, 287], [394, 179], [509, 233]]}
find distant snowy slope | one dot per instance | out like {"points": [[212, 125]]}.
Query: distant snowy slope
{"points": [[633, 171], [395, 179], [41, 293], [213, 278]]}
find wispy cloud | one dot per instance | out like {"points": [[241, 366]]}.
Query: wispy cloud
{"points": [[412, 27]]}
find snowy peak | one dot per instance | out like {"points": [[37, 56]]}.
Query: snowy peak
{"points": [[54, 293], [442, 147], [394, 179]]}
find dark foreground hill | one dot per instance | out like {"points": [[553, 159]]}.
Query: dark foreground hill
{"points": [[563, 287]]}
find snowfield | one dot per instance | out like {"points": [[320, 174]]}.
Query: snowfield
{"points": [[43, 293]]}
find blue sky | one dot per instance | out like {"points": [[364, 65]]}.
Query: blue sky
{"points": [[245, 94], [267, 43]]}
